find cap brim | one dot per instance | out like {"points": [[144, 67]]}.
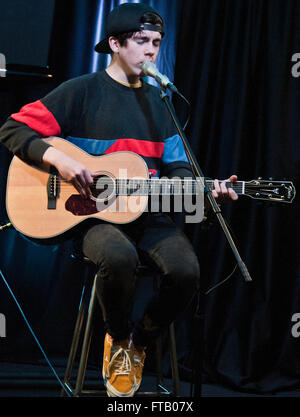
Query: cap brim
{"points": [[103, 47]]}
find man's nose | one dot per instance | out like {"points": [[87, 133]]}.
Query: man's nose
{"points": [[150, 50]]}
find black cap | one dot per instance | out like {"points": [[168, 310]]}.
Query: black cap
{"points": [[127, 18]]}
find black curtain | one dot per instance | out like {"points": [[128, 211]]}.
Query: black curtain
{"points": [[236, 69]]}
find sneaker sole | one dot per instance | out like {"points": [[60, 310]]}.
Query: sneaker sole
{"points": [[112, 392]]}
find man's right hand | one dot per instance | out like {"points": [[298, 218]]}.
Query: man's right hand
{"points": [[70, 170]]}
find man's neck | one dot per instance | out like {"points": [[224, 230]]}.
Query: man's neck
{"points": [[115, 72]]}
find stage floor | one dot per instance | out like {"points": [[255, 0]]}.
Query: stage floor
{"points": [[28, 380]]}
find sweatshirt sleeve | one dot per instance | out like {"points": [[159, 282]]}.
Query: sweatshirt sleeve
{"points": [[49, 116], [22, 141], [174, 160]]}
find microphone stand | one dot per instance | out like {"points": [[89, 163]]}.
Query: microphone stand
{"points": [[197, 172]]}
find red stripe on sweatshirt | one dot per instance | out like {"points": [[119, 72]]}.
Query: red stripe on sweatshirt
{"points": [[141, 147], [36, 116]]}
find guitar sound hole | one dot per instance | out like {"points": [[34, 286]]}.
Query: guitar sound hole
{"points": [[103, 189]]}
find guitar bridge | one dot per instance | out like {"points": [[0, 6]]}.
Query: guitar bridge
{"points": [[52, 189]]}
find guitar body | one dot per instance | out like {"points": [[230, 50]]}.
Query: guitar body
{"points": [[27, 193]]}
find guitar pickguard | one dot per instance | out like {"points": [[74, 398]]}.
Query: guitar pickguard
{"points": [[80, 206], [83, 207]]}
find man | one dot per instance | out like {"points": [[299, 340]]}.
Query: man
{"points": [[104, 112]]}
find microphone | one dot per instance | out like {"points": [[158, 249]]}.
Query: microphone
{"points": [[151, 70]]}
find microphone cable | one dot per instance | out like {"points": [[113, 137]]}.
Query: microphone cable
{"points": [[67, 391], [189, 109]]}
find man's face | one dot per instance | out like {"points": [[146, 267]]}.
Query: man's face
{"points": [[142, 46]]}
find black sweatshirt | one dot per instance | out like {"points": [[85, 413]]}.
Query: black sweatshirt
{"points": [[101, 116]]}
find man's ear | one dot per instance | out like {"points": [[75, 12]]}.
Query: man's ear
{"points": [[114, 44]]}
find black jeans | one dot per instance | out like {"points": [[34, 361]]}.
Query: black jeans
{"points": [[117, 250]]}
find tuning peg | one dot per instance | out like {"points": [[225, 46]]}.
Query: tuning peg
{"points": [[259, 178], [271, 178]]}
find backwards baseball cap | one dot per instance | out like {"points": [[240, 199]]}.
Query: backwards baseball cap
{"points": [[127, 18]]}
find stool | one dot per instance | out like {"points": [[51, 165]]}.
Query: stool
{"points": [[85, 314]]}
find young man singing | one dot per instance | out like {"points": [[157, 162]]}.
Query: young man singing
{"points": [[104, 112]]}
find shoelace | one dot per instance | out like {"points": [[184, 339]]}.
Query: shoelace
{"points": [[122, 365], [137, 358]]}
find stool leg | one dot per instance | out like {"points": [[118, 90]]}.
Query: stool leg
{"points": [[159, 373], [75, 340], [173, 360], [159, 354], [86, 343]]}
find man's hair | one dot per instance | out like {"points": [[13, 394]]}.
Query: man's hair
{"points": [[147, 17]]}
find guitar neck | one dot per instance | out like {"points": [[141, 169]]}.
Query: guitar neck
{"points": [[275, 191], [238, 186], [170, 186]]}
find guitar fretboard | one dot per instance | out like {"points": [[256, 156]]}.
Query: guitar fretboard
{"points": [[167, 186]]}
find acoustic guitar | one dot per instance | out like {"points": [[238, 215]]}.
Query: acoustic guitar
{"points": [[42, 205]]}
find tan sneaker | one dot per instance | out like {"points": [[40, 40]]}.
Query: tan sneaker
{"points": [[138, 360], [118, 371]]}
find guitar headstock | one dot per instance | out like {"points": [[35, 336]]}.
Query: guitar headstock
{"points": [[269, 190]]}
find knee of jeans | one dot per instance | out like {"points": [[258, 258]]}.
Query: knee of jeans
{"points": [[185, 277], [123, 261]]}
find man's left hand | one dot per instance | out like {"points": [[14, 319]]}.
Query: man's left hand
{"points": [[222, 193]]}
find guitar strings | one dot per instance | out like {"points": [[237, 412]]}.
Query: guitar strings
{"points": [[145, 183]]}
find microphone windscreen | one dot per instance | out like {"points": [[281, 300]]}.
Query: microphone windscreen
{"points": [[149, 68]]}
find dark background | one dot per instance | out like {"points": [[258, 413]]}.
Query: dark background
{"points": [[26, 31], [233, 62]]}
